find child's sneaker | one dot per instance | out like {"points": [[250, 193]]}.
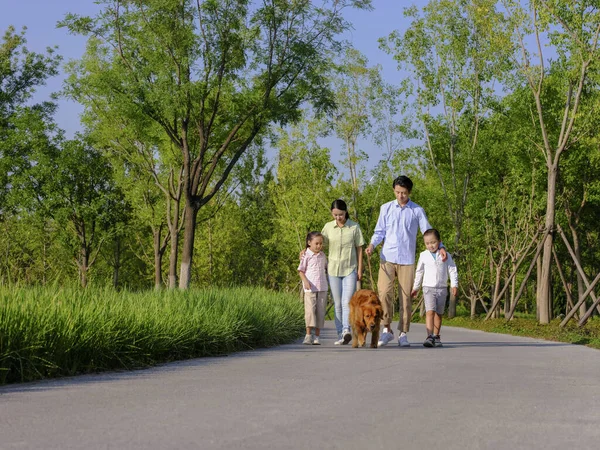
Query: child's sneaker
{"points": [[346, 337], [403, 340], [308, 340], [316, 341], [437, 342], [429, 342], [338, 342], [385, 337]]}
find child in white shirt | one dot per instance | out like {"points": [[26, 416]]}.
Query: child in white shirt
{"points": [[433, 273]]}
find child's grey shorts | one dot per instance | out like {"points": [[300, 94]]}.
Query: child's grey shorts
{"points": [[435, 299]]}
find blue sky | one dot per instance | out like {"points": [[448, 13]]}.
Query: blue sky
{"points": [[40, 18]]}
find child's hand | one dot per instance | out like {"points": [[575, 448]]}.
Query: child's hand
{"points": [[414, 293], [306, 286], [454, 291], [443, 254]]}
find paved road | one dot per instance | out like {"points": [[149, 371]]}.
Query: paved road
{"points": [[480, 391]]}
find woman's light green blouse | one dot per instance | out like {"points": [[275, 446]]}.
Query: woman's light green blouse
{"points": [[342, 243]]}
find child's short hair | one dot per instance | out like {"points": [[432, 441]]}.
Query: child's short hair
{"points": [[433, 231], [310, 236], [403, 181]]}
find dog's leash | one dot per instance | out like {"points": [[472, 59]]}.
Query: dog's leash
{"points": [[370, 272]]}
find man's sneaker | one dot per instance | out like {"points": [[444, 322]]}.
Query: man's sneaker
{"points": [[429, 342], [316, 341], [346, 337], [437, 342], [403, 340], [338, 342], [308, 340], [385, 337]]}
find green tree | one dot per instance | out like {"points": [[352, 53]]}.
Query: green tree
{"points": [[24, 128], [452, 51], [214, 75], [302, 192], [27, 130], [75, 187], [570, 30], [356, 88]]}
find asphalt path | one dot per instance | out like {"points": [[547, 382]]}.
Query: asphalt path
{"points": [[479, 391]]}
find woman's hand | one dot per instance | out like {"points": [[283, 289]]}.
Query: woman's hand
{"points": [[301, 254]]}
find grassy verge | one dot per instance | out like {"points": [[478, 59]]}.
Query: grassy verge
{"points": [[53, 332], [588, 335]]}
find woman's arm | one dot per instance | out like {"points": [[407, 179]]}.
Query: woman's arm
{"points": [[359, 256]]}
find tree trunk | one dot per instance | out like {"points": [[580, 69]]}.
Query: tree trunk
{"points": [[513, 288], [83, 266], [117, 265], [451, 306], [580, 286], [210, 254], [173, 256], [495, 298], [158, 256], [544, 296], [491, 278], [187, 255], [538, 266]]}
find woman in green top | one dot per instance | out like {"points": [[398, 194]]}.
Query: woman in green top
{"points": [[345, 241]]}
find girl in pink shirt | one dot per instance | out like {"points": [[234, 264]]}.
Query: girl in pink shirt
{"points": [[313, 272]]}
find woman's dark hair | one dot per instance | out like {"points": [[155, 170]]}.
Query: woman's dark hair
{"points": [[403, 181], [433, 231], [341, 205], [310, 236]]}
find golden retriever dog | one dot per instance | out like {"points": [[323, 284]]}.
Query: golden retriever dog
{"points": [[365, 316]]}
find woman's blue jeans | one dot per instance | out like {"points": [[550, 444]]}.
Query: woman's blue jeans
{"points": [[342, 289]]}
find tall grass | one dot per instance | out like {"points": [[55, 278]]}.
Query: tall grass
{"points": [[52, 332]]}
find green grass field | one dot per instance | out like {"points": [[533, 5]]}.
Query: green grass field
{"points": [[521, 325], [53, 332], [528, 326], [62, 331]]}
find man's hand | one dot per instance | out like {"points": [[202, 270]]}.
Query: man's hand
{"points": [[454, 291], [414, 293], [443, 254], [369, 250]]}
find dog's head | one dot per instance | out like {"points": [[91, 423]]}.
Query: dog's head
{"points": [[372, 315]]}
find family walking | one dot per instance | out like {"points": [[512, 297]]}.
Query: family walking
{"points": [[397, 226]]}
